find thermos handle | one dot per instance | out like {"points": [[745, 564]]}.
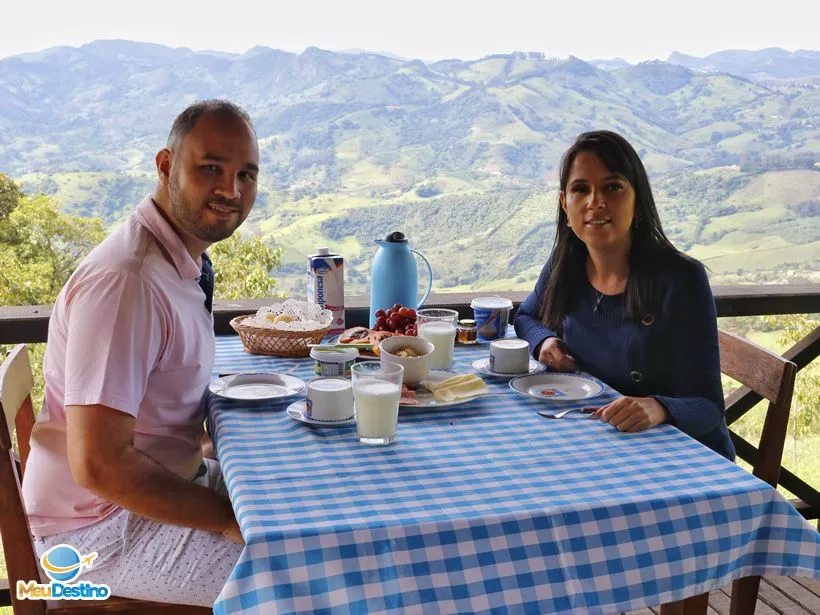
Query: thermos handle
{"points": [[429, 277]]}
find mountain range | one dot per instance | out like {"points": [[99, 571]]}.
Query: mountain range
{"points": [[461, 154]]}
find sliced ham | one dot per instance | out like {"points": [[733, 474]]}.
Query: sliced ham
{"points": [[408, 397]]}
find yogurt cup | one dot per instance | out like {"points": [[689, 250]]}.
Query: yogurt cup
{"points": [[329, 399], [492, 314], [509, 356], [334, 363]]}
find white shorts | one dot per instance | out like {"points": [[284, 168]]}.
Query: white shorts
{"points": [[148, 560]]}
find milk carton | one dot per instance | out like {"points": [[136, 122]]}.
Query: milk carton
{"points": [[326, 285]]}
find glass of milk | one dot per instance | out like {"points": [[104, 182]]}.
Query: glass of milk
{"points": [[376, 392], [438, 326]]}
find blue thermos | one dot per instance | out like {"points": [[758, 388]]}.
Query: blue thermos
{"points": [[393, 277]]}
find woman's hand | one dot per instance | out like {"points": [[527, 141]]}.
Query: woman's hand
{"points": [[633, 413], [555, 355]]}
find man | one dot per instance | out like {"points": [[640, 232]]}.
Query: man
{"points": [[116, 464]]}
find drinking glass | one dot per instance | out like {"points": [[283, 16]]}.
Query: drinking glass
{"points": [[438, 326], [377, 391]]}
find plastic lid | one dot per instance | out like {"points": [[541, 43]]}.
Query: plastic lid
{"points": [[396, 237], [510, 342], [323, 251], [330, 384], [491, 303], [467, 322], [337, 355]]}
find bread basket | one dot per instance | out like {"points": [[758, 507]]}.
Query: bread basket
{"points": [[289, 339], [274, 342]]}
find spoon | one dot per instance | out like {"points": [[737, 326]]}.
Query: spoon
{"points": [[558, 415]]}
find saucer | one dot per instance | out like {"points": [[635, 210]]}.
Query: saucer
{"points": [[482, 366], [256, 386], [296, 411], [558, 387]]}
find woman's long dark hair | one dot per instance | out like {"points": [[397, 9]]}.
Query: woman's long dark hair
{"points": [[649, 244]]}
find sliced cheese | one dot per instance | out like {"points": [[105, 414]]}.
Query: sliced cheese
{"points": [[468, 387], [463, 390], [443, 384]]}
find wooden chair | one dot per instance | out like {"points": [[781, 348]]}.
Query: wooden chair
{"points": [[772, 377], [16, 382]]}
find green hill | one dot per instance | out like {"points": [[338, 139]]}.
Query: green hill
{"points": [[459, 154]]}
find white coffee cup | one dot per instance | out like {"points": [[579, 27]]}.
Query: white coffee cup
{"points": [[509, 356], [329, 399]]}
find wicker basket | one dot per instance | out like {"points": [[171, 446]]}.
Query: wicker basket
{"points": [[276, 343]]}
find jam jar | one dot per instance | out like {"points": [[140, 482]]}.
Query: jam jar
{"points": [[467, 333]]}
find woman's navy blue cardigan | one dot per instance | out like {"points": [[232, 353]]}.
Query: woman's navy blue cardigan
{"points": [[672, 355]]}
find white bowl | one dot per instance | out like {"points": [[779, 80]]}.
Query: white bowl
{"points": [[415, 368]]}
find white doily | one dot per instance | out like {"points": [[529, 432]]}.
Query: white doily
{"points": [[291, 315]]}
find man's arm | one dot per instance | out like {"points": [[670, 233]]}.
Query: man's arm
{"points": [[103, 459]]}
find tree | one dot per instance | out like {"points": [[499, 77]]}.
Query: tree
{"points": [[10, 195], [40, 247], [805, 412], [242, 268]]}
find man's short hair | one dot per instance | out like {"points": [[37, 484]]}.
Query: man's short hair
{"points": [[185, 121]]}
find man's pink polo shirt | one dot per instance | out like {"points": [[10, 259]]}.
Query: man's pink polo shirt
{"points": [[130, 331]]}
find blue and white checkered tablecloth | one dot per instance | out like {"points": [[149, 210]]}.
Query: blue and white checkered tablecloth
{"points": [[486, 508]]}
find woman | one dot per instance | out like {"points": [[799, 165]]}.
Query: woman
{"points": [[618, 300]]}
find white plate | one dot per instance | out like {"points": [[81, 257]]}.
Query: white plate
{"points": [[254, 386], [296, 411], [482, 366], [558, 387], [426, 398]]}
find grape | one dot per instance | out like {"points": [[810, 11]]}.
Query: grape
{"points": [[396, 319]]}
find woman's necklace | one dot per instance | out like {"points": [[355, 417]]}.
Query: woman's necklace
{"points": [[598, 298]]}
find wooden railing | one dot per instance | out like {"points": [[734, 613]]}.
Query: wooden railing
{"points": [[29, 324]]}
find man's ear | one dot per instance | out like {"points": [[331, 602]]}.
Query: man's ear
{"points": [[163, 160]]}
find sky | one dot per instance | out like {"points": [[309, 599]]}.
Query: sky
{"points": [[634, 30]]}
